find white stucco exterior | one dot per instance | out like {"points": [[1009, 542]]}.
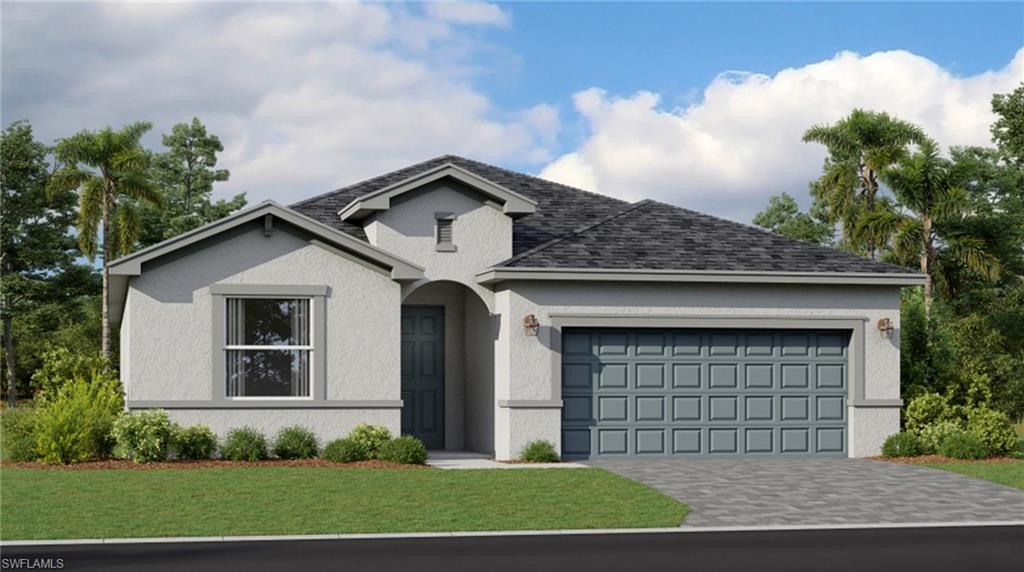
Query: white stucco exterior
{"points": [[501, 386]]}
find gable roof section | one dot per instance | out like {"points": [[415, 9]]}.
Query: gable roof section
{"points": [[512, 203], [655, 241]]}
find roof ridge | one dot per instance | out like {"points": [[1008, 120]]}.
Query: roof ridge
{"points": [[372, 179], [630, 207]]}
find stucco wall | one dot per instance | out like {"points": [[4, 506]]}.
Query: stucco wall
{"points": [[167, 343], [532, 360], [481, 330], [327, 424]]}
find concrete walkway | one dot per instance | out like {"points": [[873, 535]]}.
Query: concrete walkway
{"points": [[764, 492], [468, 460]]}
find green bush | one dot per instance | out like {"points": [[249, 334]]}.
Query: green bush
{"points": [[539, 452], [17, 434], [245, 444], [371, 437], [345, 451], [993, 428], [927, 409], [143, 437], [933, 435], [904, 444], [194, 443], [406, 450], [60, 366], [75, 424], [296, 443], [963, 445]]}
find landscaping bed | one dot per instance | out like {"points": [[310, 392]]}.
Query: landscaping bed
{"points": [[275, 498], [121, 464]]}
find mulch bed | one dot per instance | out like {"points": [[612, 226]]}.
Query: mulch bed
{"points": [[925, 459], [206, 464]]}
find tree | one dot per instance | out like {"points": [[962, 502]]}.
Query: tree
{"points": [[924, 228], [1008, 129], [110, 170], [185, 175], [860, 147], [35, 244], [783, 216]]}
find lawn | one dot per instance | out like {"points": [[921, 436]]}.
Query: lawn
{"points": [[1008, 473], [44, 503]]}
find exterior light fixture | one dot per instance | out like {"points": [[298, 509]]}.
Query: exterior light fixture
{"points": [[531, 325], [885, 327]]}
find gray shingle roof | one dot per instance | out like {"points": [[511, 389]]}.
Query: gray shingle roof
{"points": [[573, 228]]}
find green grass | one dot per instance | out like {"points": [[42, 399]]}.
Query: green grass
{"points": [[1010, 474], [46, 504]]}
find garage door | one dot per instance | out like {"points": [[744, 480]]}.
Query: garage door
{"points": [[658, 393]]}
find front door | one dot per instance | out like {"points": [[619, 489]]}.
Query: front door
{"points": [[423, 374]]}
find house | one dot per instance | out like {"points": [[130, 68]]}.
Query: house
{"points": [[480, 309]]}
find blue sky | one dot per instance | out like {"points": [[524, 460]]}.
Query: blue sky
{"points": [[700, 105]]}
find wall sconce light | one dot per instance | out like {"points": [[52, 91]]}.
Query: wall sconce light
{"points": [[531, 325], [885, 327]]}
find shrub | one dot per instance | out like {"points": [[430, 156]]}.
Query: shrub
{"points": [[371, 437], [345, 450], [993, 428], [963, 445], [406, 450], [143, 437], [933, 435], [245, 444], [539, 452], [17, 434], [904, 444], [61, 366], [296, 443], [927, 409], [194, 443], [74, 425]]}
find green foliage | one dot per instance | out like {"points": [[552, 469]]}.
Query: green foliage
{"points": [[407, 450], [934, 434], [1008, 130], [61, 365], [143, 437], [963, 445], [927, 409], [296, 443], [783, 216], [75, 425], [370, 437], [17, 434], [345, 450], [993, 429], [539, 451], [194, 443], [903, 444], [245, 444]]}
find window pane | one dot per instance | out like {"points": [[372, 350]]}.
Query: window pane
{"points": [[268, 373], [268, 322]]}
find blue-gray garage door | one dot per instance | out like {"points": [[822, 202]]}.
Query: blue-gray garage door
{"points": [[658, 393]]}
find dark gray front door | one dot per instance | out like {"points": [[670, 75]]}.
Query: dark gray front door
{"points": [[423, 374], [659, 393]]}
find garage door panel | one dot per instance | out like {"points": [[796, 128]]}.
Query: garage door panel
{"points": [[690, 392]]}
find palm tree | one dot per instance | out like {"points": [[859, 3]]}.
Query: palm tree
{"points": [[923, 231], [860, 147], [110, 170]]}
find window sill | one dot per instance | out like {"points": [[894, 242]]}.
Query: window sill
{"points": [[303, 403], [446, 247]]}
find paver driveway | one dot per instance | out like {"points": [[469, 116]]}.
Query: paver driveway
{"points": [[758, 492]]}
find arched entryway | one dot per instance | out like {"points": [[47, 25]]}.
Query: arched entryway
{"points": [[448, 367]]}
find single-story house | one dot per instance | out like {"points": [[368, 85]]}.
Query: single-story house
{"points": [[480, 309]]}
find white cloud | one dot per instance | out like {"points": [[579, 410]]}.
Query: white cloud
{"points": [[741, 142], [305, 98]]}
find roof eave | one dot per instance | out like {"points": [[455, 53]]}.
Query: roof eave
{"points": [[504, 274]]}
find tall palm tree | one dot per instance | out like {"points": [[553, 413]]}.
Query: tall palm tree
{"points": [[110, 170], [860, 147], [923, 230]]}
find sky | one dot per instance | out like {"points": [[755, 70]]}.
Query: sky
{"points": [[698, 105]]}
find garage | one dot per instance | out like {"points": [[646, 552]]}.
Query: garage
{"points": [[692, 392]]}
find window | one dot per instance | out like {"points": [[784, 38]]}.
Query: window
{"points": [[445, 237], [268, 347]]}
